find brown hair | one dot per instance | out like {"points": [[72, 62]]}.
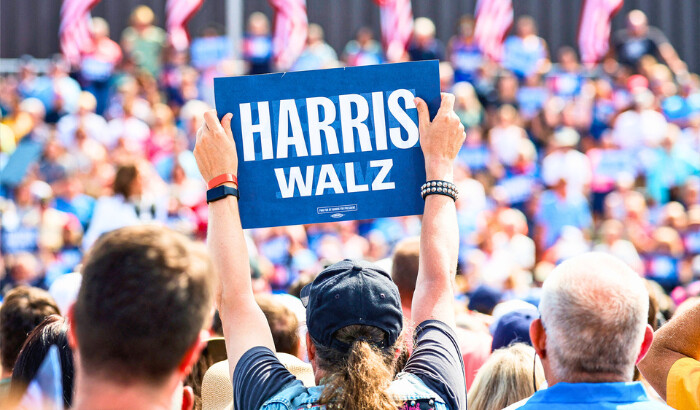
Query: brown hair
{"points": [[126, 174], [22, 310], [146, 294], [404, 269], [283, 324], [358, 379]]}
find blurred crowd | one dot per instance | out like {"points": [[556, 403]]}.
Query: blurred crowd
{"points": [[559, 158]]}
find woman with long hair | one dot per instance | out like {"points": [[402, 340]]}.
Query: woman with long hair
{"points": [[353, 309], [511, 374]]}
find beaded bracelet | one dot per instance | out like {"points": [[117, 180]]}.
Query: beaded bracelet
{"points": [[439, 188]]}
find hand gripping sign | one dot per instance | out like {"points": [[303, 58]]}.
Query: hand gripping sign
{"points": [[329, 145]]}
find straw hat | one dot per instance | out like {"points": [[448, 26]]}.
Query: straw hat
{"points": [[217, 389]]}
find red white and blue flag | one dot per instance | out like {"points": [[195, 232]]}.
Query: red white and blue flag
{"points": [[177, 14], [396, 18], [493, 21], [74, 31], [291, 27], [594, 28]]}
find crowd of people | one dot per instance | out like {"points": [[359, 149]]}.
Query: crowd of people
{"points": [[558, 159]]}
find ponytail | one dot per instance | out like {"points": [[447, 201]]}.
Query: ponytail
{"points": [[360, 378]]}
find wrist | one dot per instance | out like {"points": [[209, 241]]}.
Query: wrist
{"points": [[439, 170], [222, 179]]}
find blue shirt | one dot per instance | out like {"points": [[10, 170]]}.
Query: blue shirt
{"points": [[574, 396], [555, 213]]}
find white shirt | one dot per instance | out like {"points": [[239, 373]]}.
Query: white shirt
{"points": [[571, 165], [633, 129], [132, 130], [94, 125], [113, 212], [506, 143]]}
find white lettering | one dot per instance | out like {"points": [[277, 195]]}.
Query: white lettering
{"points": [[403, 118], [379, 121], [379, 184], [263, 127], [349, 124], [328, 179], [289, 113], [350, 179], [295, 179], [316, 126]]}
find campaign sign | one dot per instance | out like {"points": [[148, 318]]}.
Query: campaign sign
{"points": [[329, 145]]}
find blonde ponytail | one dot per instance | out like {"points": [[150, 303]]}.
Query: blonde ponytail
{"points": [[360, 378]]}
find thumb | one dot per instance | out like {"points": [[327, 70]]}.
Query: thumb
{"points": [[226, 123], [423, 115], [447, 104]]}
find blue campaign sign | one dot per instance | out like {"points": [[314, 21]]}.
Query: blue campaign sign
{"points": [[329, 145]]}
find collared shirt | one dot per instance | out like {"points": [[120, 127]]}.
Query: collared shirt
{"points": [[575, 396]]}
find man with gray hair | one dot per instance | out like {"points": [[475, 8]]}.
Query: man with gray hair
{"points": [[591, 333]]}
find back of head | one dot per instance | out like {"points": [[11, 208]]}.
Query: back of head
{"points": [[359, 378], [594, 311], [283, 324], [404, 268], [22, 310], [145, 296], [506, 378], [353, 315], [53, 331]]}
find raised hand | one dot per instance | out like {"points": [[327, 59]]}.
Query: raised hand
{"points": [[215, 150], [440, 139]]}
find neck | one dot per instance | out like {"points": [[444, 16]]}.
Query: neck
{"points": [[588, 378], [5, 374], [95, 392]]}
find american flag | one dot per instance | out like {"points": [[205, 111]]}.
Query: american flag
{"points": [[291, 26], [493, 20], [74, 31], [178, 13], [594, 28], [396, 17]]}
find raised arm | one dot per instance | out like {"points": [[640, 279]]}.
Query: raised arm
{"points": [[440, 140], [676, 340], [243, 322]]}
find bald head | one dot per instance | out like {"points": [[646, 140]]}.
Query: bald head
{"points": [[637, 22], [594, 311]]}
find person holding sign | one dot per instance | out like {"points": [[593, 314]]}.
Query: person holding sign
{"points": [[353, 312]]}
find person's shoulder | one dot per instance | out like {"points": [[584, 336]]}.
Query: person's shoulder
{"points": [[517, 405]]}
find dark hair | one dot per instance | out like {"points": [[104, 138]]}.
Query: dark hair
{"points": [[125, 177], [22, 310], [146, 294], [53, 331], [283, 324], [404, 267], [359, 378]]}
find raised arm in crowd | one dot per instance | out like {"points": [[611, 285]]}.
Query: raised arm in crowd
{"points": [[343, 340]]}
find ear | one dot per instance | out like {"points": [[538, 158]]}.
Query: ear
{"points": [[187, 398], [538, 338], [72, 338], [646, 343], [192, 354], [299, 354], [310, 348]]}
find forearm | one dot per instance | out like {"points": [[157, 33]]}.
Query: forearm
{"points": [[229, 253], [681, 334], [439, 247], [675, 340]]}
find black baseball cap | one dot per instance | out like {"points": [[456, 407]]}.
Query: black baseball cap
{"points": [[352, 293]]}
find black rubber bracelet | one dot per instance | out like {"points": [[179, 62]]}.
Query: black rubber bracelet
{"points": [[220, 192]]}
